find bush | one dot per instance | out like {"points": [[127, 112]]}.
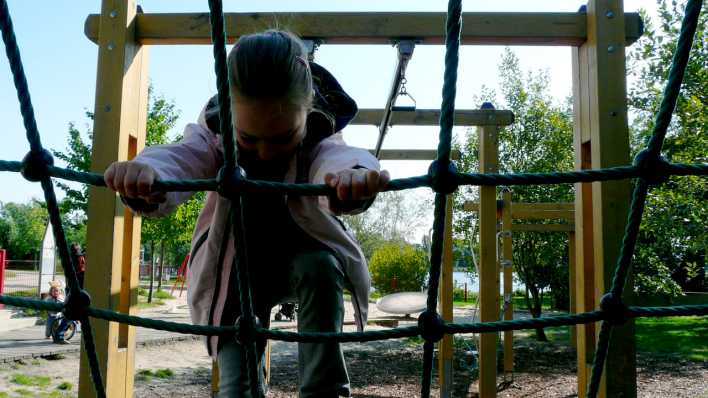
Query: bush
{"points": [[405, 263], [161, 294]]}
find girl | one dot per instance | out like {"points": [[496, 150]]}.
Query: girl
{"points": [[288, 116]]}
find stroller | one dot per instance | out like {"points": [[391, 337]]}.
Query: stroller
{"points": [[286, 312]]}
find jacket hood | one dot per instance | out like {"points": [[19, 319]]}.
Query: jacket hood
{"points": [[333, 108]]}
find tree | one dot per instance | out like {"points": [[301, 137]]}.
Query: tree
{"points": [[22, 227], [393, 217], [397, 267], [171, 233], [539, 140], [671, 247]]}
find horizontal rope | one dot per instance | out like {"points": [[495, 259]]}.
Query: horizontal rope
{"points": [[606, 174], [309, 337]]}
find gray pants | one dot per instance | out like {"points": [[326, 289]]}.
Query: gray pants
{"points": [[316, 283]]}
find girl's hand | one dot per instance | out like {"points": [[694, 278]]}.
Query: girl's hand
{"points": [[356, 185], [133, 180]]}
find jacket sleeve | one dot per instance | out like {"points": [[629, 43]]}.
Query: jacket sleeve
{"points": [[333, 155], [197, 155]]}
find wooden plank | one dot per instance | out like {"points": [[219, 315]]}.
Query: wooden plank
{"points": [[492, 28], [431, 117], [114, 233], [520, 214], [412, 154], [571, 281], [543, 206], [609, 138], [507, 269], [584, 255], [488, 272], [542, 227], [214, 378], [446, 345]]}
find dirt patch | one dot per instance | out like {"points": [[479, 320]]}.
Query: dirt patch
{"points": [[378, 369]]}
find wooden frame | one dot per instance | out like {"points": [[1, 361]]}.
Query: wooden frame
{"points": [[113, 237], [494, 28], [431, 117], [601, 140]]}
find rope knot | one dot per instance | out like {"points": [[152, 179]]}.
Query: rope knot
{"points": [[654, 169], [613, 305], [246, 329], [76, 305], [36, 164], [431, 325], [443, 176], [230, 182]]}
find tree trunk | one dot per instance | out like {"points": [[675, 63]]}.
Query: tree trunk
{"points": [[162, 263], [152, 270], [535, 308]]}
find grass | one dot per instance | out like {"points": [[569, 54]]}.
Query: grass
{"points": [[164, 373], [23, 293], [23, 392], [10, 274], [162, 294], [143, 304], [65, 386], [684, 337], [3, 394], [28, 380], [147, 374]]}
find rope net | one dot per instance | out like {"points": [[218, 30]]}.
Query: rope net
{"points": [[648, 168]]}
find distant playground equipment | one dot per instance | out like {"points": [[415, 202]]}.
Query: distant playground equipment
{"points": [[404, 303], [598, 35]]}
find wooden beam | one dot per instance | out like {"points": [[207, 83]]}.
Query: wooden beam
{"points": [[446, 345], [572, 289], [493, 28], [543, 227], [488, 272], [431, 117], [534, 211], [602, 105], [543, 206], [412, 154], [113, 232], [518, 214]]}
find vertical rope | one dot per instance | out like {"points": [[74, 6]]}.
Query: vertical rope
{"points": [[18, 75], [13, 54], [221, 68], [242, 280], [449, 90], [603, 342], [676, 73]]}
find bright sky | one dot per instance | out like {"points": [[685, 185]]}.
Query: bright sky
{"points": [[60, 63]]}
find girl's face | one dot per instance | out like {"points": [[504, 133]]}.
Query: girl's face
{"points": [[54, 292], [270, 130]]}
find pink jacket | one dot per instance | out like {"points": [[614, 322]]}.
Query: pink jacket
{"points": [[199, 155]]}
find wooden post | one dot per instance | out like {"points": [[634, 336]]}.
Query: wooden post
{"points": [[571, 281], [602, 140], [214, 378], [488, 273], [507, 268], [445, 346], [113, 247]]}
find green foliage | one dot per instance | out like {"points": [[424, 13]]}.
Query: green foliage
{"points": [[404, 262], [65, 386], [164, 373], [30, 380], [161, 294], [539, 140], [22, 228], [671, 249], [393, 217]]}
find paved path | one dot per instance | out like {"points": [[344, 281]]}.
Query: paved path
{"points": [[30, 342]]}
